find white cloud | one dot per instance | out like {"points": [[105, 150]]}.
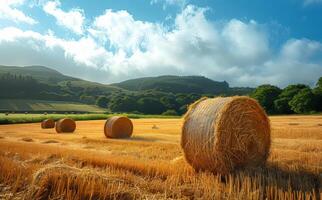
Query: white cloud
{"points": [[121, 31], [118, 47], [309, 2], [72, 19], [8, 10]]}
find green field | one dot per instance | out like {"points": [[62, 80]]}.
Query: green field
{"points": [[32, 118], [23, 105]]}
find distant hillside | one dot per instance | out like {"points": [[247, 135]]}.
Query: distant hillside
{"points": [[40, 73], [22, 86], [176, 84], [52, 77], [18, 105]]}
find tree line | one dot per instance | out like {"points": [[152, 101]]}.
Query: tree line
{"points": [[297, 98]]}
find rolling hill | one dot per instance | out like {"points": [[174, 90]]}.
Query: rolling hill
{"points": [[183, 84], [25, 105], [176, 84], [52, 77], [38, 88]]}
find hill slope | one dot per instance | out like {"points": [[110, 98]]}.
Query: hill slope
{"points": [[176, 84], [52, 77], [40, 73], [19, 105]]}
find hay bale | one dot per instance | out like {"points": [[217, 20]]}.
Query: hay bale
{"points": [[223, 134], [48, 123], [118, 127], [65, 125]]}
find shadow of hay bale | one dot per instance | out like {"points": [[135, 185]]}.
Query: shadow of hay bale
{"points": [[50, 142], [27, 139], [140, 138]]}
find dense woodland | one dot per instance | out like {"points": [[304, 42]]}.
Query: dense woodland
{"points": [[168, 95]]}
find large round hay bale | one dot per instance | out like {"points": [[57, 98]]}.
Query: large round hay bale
{"points": [[65, 125], [225, 133], [48, 123], [118, 127]]}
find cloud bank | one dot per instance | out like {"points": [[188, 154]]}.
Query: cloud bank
{"points": [[117, 47]]}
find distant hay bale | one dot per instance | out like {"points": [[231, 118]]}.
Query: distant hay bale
{"points": [[118, 127], [225, 133], [48, 123], [65, 125]]}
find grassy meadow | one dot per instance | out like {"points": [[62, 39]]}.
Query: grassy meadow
{"points": [[32, 118], [40, 164], [24, 105]]}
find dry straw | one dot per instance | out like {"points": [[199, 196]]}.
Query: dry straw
{"points": [[225, 133], [65, 125], [48, 123], [118, 127]]}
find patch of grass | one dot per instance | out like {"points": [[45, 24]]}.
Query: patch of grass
{"points": [[26, 105], [34, 118]]}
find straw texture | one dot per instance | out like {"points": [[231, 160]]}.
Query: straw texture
{"points": [[48, 123], [225, 133], [118, 127], [65, 125]]}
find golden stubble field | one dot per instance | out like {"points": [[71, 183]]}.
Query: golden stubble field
{"points": [[40, 164]]}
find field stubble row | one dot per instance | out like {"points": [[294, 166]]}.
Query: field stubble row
{"points": [[150, 165]]}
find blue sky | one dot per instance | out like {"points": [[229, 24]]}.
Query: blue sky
{"points": [[246, 43]]}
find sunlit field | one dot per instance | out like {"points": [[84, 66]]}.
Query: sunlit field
{"points": [[40, 164]]}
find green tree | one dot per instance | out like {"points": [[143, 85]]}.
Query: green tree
{"points": [[149, 105], [266, 95], [102, 101], [281, 105], [318, 93], [170, 113], [169, 102], [123, 103], [183, 109], [303, 102], [319, 84]]}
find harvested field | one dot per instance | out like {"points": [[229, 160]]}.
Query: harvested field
{"points": [[149, 165]]}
